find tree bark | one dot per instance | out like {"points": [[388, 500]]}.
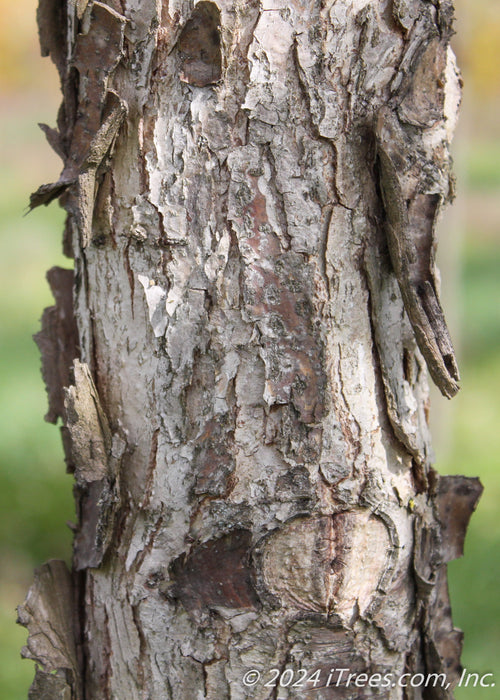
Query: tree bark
{"points": [[251, 192]]}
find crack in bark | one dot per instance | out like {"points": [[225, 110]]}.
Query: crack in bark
{"points": [[130, 273], [386, 420], [148, 484], [143, 646], [323, 251], [148, 545]]}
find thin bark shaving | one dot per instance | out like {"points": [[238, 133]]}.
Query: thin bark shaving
{"points": [[247, 418]]}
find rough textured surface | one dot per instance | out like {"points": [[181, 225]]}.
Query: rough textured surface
{"points": [[412, 198], [247, 420], [46, 687], [94, 456], [50, 615]]}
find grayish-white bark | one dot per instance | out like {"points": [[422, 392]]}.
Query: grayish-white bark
{"points": [[247, 420]]}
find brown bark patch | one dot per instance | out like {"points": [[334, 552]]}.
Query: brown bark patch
{"points": [[456, 498], [216, 573], [294, 484], [51, 19], [277, 295], [200, 47], [96, 504], [58, 341], [97, 53], [214, 461]]}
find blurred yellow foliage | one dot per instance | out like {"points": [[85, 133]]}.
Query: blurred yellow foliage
{"points": [[20, 63], [477, 44], [484, 65]]}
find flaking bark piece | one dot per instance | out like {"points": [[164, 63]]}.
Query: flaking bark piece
{"points": [[98, 50], [423, 102], [94, 455], [46, 194], [98, 503], [88, 426], [51, 20], [49, 687], [85, 175], [436, 543], [400, 363], [48, 613], [456, 499], [426, 554], [58, 340], [101, 145], [442, 641], [54, 139], [411, 214]]}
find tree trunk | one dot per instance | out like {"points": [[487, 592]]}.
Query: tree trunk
{"points": [[251, 192]]}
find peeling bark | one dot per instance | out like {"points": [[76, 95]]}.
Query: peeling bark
{"points": [[50, 613], [251, 193], [58, 341]]}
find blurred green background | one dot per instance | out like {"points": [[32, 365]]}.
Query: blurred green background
{"points": [[35, 493]]}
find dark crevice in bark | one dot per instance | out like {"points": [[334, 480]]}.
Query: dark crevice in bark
{"points": [[323, 262], [419, 472], [94, 360], [80, 579], [143, 646], [130, 273], [278, 196], [122, 524], [149, 481], [382, 401], [148, 545], [106, 651]]}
